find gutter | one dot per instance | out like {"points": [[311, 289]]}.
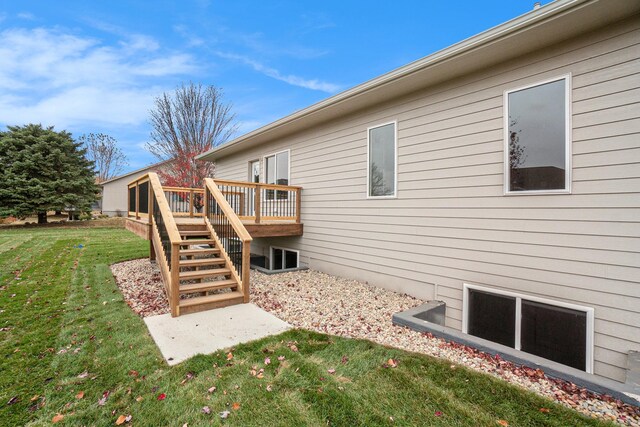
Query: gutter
{"points": [[458, 49]]}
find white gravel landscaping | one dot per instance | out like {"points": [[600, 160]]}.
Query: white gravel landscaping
{"points": [[320, 302]]}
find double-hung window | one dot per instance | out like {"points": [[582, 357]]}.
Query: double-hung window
{"points": [[382, 164], [538, 138], [276, 169]]}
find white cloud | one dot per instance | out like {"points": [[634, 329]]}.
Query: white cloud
{"points": [[51, 77], [26, 16], [291, 79]]}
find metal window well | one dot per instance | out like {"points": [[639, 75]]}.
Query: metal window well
{"points": [[430, 317], [261, 263]]}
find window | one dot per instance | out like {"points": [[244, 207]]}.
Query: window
{"points": [[381, 157], [556, 331], [277, 172], [254, 171], [282, 259], [538, 138]]}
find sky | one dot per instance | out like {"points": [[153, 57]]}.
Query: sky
{"points": [[97, 66]]}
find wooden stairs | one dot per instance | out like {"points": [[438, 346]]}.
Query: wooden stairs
{"points": [[205, 274]]}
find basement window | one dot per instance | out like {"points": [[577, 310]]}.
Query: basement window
{"points": [[553, 330], [538, 138], [284, 259]]}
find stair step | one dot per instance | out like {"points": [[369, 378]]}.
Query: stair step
{"points": [[210, 301], [198, 262], [197, 242], [202, 274], [194, 233], [191, 226], [200, 251], [208, 286]]}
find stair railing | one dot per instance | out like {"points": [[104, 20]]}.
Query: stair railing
{"points": [[165, 242], [230, 234]]}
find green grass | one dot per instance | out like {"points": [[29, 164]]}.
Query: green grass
{"points": [[66, 299]]}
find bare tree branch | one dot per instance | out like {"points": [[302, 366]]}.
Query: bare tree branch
{"points": [[192, 121], [103, 150]]}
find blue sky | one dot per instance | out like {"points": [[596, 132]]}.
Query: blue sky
{"points": [[96, 66]]}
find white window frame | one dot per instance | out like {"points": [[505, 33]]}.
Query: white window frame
{"points": [[395, 160], [568, 141], [589, 344], [264, 165], [271, 248]]}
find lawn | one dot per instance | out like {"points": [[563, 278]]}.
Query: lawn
{"points": [[73, 351]]}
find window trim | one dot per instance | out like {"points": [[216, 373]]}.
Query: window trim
{"points": [[590, 313], [263, 168], [271, 248], [568, 141], [395, 160]]}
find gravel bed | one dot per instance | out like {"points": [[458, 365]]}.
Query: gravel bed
{"points": [[140, 283], [320, 302]]}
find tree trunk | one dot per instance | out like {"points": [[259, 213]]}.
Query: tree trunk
{"points": [[42, 217]]}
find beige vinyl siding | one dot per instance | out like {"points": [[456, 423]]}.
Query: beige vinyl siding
{"points": [[451, 222]]}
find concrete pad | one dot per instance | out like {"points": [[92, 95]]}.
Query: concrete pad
{"points": [[180, 338]]}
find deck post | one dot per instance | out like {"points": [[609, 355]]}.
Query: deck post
{"points": [[191, 202], [246, 272], [298, 205], [174, 283], [256, 203], [137, 200]]}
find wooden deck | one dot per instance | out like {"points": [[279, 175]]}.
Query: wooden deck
{"points": [[263, 229]]}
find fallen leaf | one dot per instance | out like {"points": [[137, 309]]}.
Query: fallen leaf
{"points": [[281, 358], [121, 420], [344, 360], [206, 410], [545, 410], [438, 413], [128, 418], [331, 371], [103, 399], [34, 398], [392, 363], [235, 406], [293, 348], [162, 396], [133, 373], [229, 356], [13, 400], [80, 395], [57, 418], [85, 374], [224, 414], [212, 389], [139, 399], [269, 387], [267, 360], [503, 423], [260, 376]]}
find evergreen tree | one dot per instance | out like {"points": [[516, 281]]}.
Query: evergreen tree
{"points": [[42, 170]]}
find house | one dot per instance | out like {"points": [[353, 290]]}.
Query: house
{"points": [[500, 175], [115, 191]]}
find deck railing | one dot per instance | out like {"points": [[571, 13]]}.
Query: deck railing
{"points": [[262, 202], [165, 241], [185, 201], [230, 234], [138, 197]]}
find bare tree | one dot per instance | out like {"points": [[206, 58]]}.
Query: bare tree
{"points": [[191, 121], [103, 150]]}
